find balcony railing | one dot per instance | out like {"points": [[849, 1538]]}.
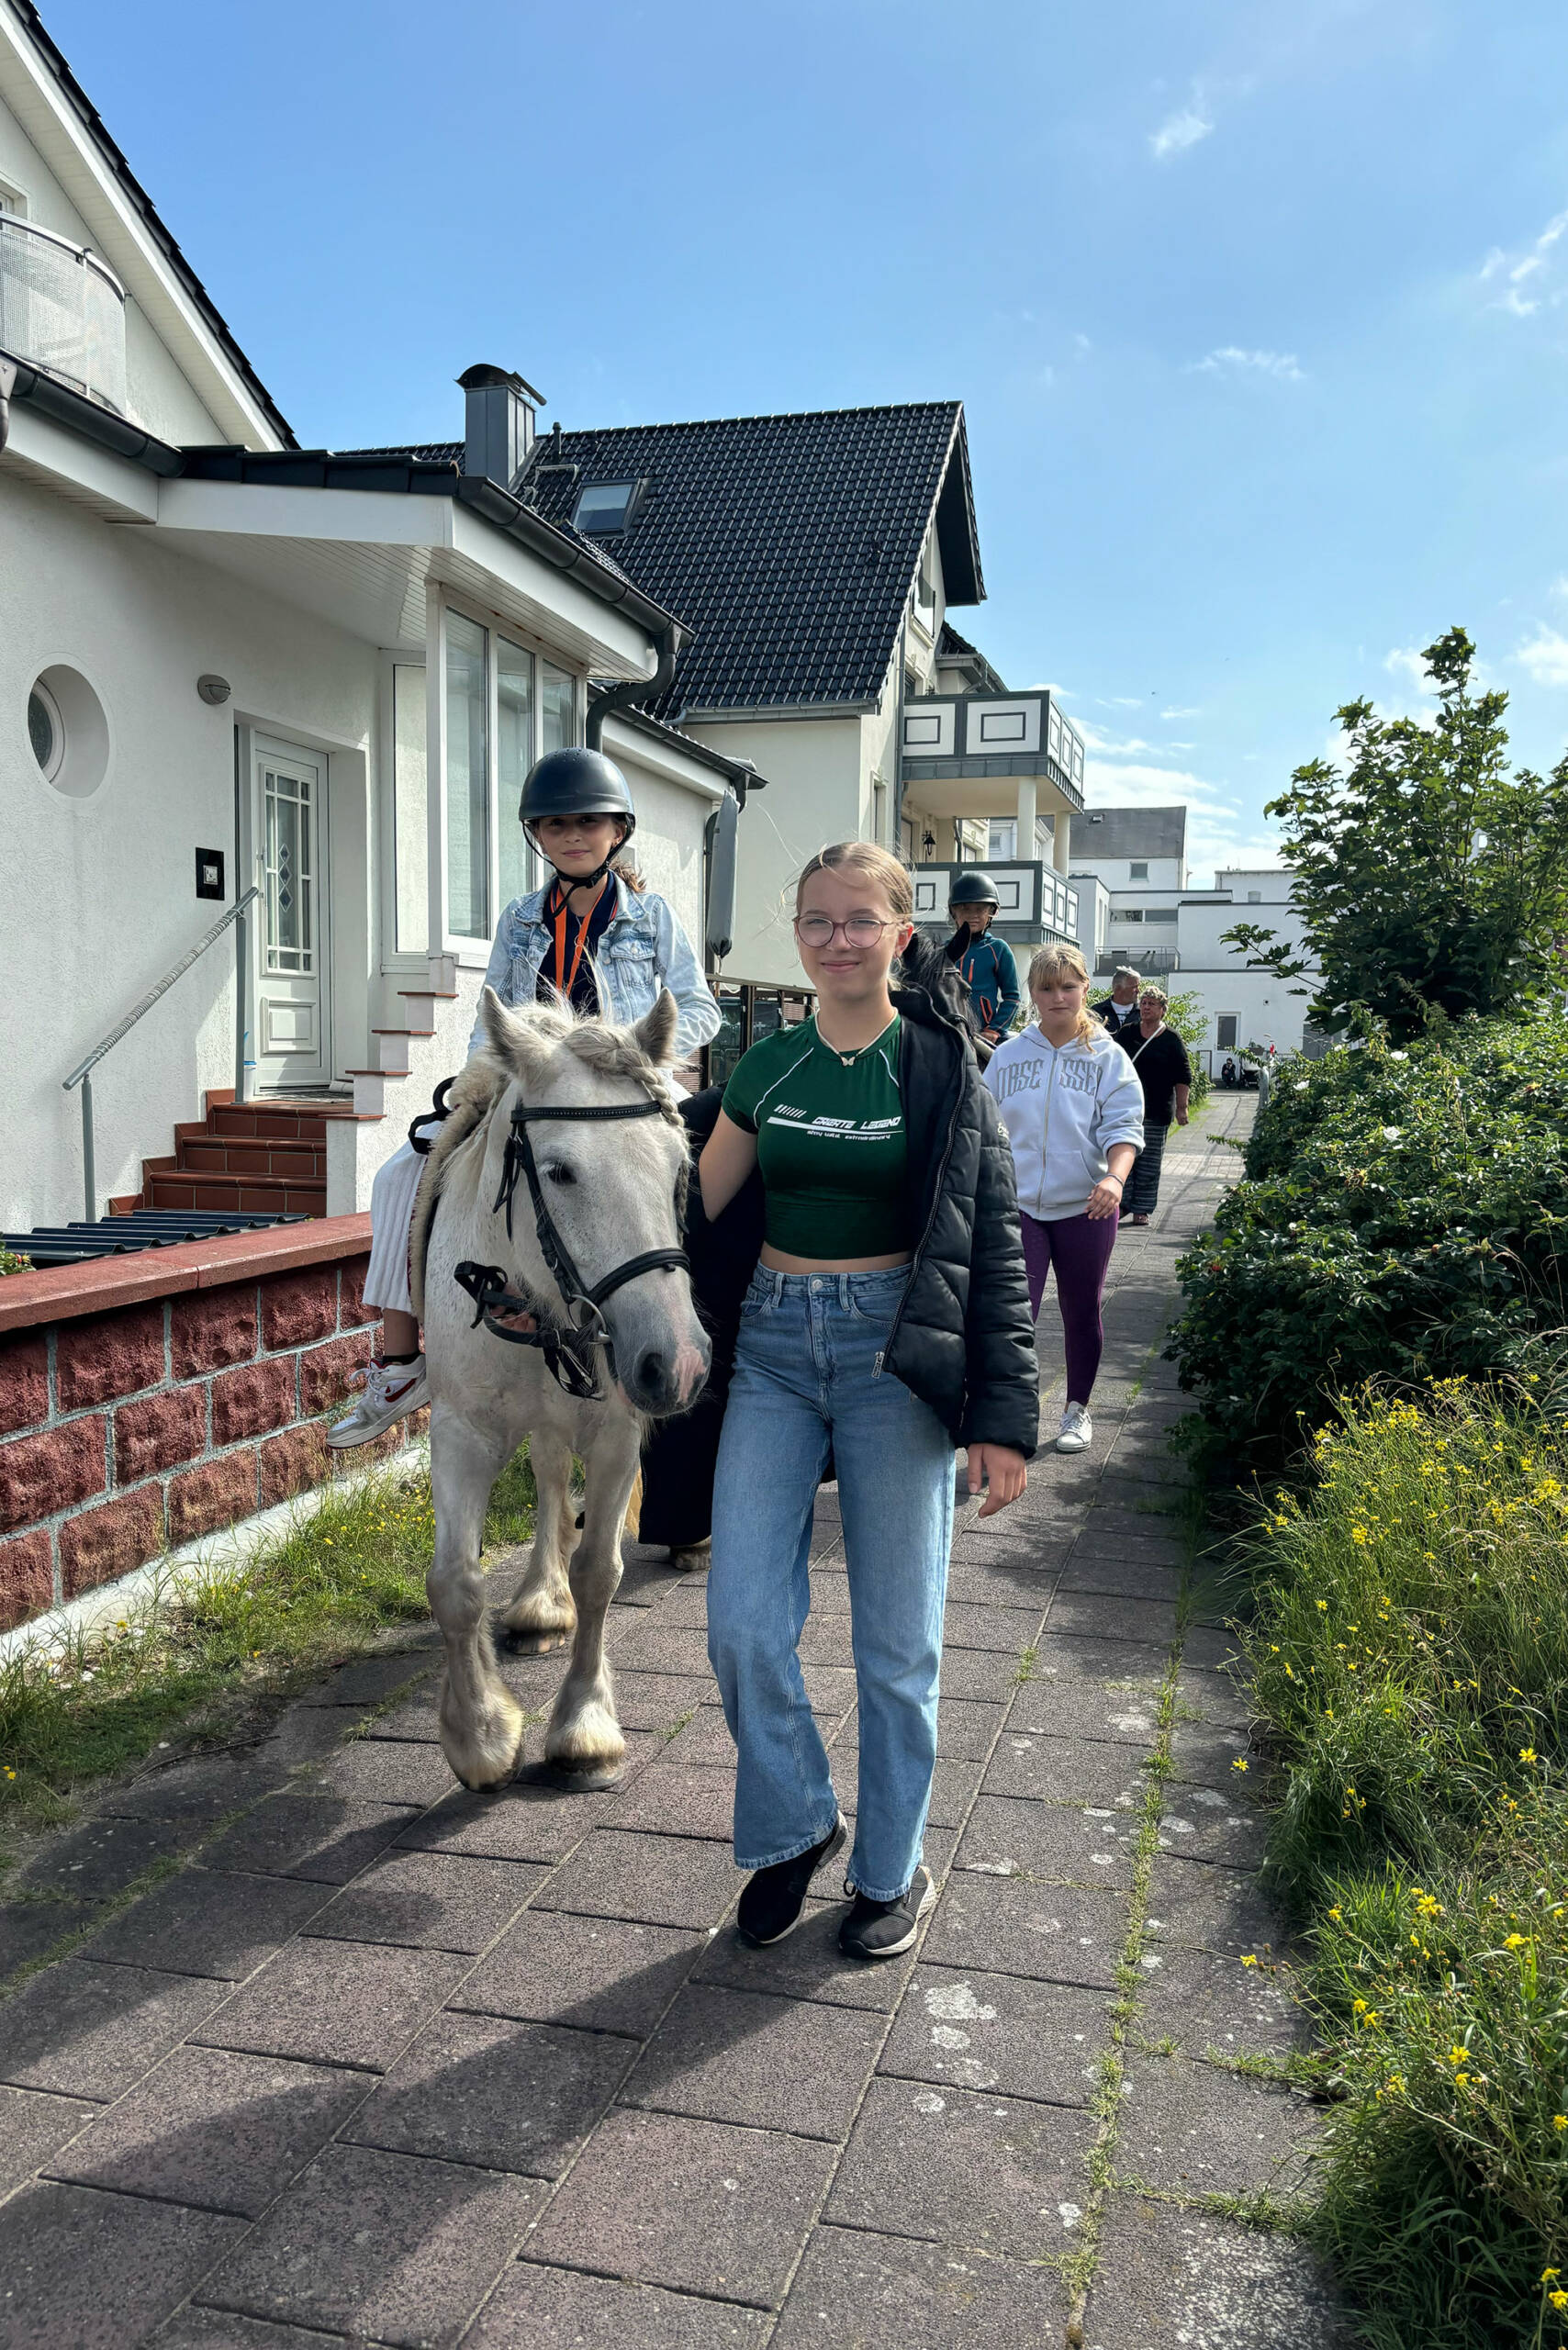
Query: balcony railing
{"points": [[960, 735], [1036, 902], [62, 309], [1149, 962]]}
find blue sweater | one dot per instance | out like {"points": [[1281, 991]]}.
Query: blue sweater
{"points": [[988, 971]]}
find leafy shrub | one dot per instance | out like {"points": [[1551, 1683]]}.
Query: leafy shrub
{"points": [[1185, 1013], [1403, 1217], [11, 1263]]}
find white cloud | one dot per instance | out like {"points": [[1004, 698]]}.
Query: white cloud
{"points": [[1544, 656], [1524, 278], [1560, 585], [1406, 663], [1118, 702], [1179, 131], [1193, 713], [1218, 833], [1282, 365]]}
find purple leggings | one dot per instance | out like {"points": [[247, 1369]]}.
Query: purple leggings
{"points": [[1081, 1251]]}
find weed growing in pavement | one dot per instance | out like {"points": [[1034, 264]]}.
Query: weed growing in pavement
{"points": [[328, 1589]]}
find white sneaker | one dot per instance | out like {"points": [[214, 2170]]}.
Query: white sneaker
{"points": [[1077, 1429], [391, 1391]]}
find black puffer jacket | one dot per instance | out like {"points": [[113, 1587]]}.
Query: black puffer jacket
{"points": [[964, 1340]]}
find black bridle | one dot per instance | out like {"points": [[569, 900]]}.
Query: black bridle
{"points": [[568, 1357]]}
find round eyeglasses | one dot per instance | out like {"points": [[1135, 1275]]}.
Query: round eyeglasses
{"points": [[860, 930]]}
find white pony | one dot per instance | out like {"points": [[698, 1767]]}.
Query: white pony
{"points": [[555, 1184]]}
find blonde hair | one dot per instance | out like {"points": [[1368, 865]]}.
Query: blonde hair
{"points": [[876, 865], [1052, 963]]}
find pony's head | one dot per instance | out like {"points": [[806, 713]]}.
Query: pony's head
{"points": [[614, 1188]]}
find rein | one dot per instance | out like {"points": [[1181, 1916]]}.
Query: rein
{"points": [[569, 1358]]}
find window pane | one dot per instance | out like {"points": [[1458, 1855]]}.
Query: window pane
{"points": [[467, 829], [602, 506], [514, 756], [410, 808], [558, 710]]}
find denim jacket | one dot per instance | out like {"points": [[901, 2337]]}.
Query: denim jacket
{"points": [[643, 949]]}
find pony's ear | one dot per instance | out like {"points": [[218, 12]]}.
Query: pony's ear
{"points": [[519, 1051], [656, 1030]]}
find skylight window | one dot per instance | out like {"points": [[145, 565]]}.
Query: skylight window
{"points": [[605, 508]]}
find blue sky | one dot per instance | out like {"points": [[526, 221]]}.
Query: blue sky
{"points": [[1259, 314]]}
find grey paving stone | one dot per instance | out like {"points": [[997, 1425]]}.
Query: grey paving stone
{"points": [[1214, 1824], [194, 2329], [97, 2272], [369, 1679], [965, 2168], [102, 1856], [206, 1921], [780, 2064], [953, 1784], [428, 1901], [1102, 1616], [965, 1730], [1202, 1753], [1201, 1999], [655, 1880], [1058, 1842], [507, 2095], [830, 1591], [33, 2127], [677, 1799], [90, 2030], [808, 1965], [559, 2309], [656, 1701], [1210, 1909], [1133, 1665], [1212, 1697], [830, 1688], [1019, 1588], [1068, 1771], [650, 1645], [204, 1789], [998, 2032], [30, 1929], [320, 1836], [1055, 1933], [335, 2003], [859, 2291], [1194, 2130], [418, 1719], [519, 1822], [1170, 2277], [1081, 1709], [1004, 1630], [826, 1640], [602, 1973], [705, 1738], [701, 2206], [381, 1770], [218, 2131], [982, 1673], [385, 2246], [1112, 1575], [307, 1734]]}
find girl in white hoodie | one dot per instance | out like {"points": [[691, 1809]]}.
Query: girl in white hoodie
{"points": [[1070, 1101]]}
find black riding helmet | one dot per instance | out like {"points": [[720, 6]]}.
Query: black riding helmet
{"points": [[576, 783], [973, 888]]}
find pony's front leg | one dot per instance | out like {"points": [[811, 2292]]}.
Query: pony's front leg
{"points": [[542, 1612], [481, 1721], [584, 1735]]}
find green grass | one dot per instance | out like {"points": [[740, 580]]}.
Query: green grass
{"points": [[187, 1672], [1410, 1652]]}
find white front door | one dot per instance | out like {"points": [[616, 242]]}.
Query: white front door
{"points": [[289, 829]]}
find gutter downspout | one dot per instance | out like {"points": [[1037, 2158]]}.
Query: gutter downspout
{"points": [[636, 689]]}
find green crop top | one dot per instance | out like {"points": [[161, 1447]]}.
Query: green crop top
{"points": [[830, 1142]]}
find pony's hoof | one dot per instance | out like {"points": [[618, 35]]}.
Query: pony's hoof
{"points": [[589, 1779], [531, 1643]]}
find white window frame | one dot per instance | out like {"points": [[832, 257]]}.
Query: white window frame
{"points": [[13, 200]]}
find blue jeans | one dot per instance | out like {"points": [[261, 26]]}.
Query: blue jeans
{"points": [[807, 1376]]}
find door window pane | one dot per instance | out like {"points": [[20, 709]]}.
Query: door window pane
{"points": [[558, 710], [467, 826], [410, 810], [290, 865], [514, 753]]}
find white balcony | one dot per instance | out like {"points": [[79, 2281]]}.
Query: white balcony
{"points": [[993, 755], [1033, 904], [62, 310]]}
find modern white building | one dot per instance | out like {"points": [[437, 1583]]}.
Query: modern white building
{"points": [[1136, 906]]}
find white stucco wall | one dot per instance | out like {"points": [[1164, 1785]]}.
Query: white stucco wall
{"points": [[817, 789], [98, 894]]}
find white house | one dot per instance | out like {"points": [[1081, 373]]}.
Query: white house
{"points": [[226, 663]]}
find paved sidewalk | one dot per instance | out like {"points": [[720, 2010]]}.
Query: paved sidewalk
{"points": [[379, 2060]]}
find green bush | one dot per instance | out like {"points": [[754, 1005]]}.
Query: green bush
{"points": [[1403, 1217], [1409, 1653]]}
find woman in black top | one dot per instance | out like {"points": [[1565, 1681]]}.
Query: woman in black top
{"points": [[1165, 1073]]}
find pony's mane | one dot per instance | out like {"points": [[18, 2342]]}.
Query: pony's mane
{"points": [[609, 1050]]}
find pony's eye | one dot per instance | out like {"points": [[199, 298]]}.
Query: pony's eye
{"points": [[562, 1175]]}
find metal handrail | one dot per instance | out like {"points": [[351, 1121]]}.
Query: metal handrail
{"points": [[82, 1074]]}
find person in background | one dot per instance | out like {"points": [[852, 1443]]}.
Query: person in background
{"points": [[1070, 1102], [1119, 1009], [1165, 1074], [985, 963]]}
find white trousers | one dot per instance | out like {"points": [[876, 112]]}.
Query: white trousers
{"points": [[391, 1217]]}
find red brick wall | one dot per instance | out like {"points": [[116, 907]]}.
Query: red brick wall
{"points": [[126, 1433]]}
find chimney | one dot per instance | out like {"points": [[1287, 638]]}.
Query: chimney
{"points": [[498, 437]]}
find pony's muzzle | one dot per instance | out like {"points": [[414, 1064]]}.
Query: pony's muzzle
{"points": [[663, 1378]]}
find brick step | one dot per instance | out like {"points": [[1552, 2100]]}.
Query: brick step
{"points": [[276, 1121], [198, 1151], [257, 1195]]}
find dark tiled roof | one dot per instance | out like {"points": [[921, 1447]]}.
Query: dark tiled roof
{"points": [[1128, 831], [788, 544], [952, 649], [93, 123]]}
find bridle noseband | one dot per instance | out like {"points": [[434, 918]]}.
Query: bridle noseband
{"points": [[570, 1358]]}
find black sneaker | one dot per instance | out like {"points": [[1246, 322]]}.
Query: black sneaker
{"points": [[775, 1899], [886, 1929]]}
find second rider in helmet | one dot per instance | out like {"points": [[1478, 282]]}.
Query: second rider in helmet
{"points": [[594, 935], [985, 963]]}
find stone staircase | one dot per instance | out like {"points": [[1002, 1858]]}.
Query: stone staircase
{"points": [[431, 1043], [254, 1157]]}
